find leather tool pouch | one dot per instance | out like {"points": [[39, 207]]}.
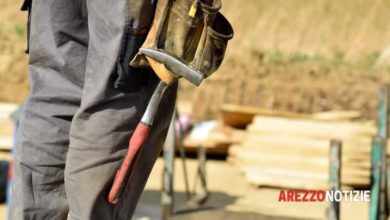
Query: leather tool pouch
{"points": [[211, 51], [197, 37]]}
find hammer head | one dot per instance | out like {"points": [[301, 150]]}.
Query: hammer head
{"points": [[176, 66]]}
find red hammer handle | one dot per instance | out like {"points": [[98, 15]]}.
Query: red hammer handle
{"points": [[136, 142]]}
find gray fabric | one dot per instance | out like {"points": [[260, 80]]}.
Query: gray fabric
{"points": [[75, 125]]}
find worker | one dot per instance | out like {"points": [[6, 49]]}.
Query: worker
{"points": [[90, 86], [84, 104]]}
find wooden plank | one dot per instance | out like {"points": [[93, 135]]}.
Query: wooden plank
{"points": [[353, 143], [309, 128], [337, 115], [275, 157], [300, 144], [298, 154], [273, 139], [240, 116]]}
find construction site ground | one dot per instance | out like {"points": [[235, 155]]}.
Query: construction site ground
{"points": [[231, 193], [231, 197]]}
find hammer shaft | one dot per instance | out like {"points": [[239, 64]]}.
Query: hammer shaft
{"points": [[137, 141], [151, 110]]}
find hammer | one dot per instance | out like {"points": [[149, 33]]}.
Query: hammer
{"points": [[141, 134]]}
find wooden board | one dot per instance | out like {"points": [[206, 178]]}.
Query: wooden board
{"points": [[310, 128], [337, 115], [310, 146], [239, 116]]}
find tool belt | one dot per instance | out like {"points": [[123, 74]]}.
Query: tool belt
{"points": [[192, 31]]}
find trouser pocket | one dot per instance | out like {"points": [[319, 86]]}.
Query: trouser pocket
{"points": [[130, 79], [26, 6]]}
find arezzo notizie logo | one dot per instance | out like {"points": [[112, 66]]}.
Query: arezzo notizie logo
{"points": [[324, 195]]}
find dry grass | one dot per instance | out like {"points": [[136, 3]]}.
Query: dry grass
{"points": [[352, 29], [13, 60], [302, 56], [293, 55]]}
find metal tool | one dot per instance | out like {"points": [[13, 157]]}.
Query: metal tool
{"points": [[195, 199], [174, 65], [140, 136]]}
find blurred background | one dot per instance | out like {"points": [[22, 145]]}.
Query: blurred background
{"points": [[296, 75]]}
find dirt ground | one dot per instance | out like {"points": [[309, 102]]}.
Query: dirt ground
{"points": [[230, 191], [13, 61], [303, 88]]}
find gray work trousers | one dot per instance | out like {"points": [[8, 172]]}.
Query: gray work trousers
{"points": [[84, 104]]}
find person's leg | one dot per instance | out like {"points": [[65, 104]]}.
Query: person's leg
{"points": [[107, 117], [58, 50]]}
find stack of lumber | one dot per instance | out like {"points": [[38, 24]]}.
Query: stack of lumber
{"points": [[290, 152]]}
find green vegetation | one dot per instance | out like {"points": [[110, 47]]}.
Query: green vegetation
{"points": [[20, 30], [367, 61]]}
